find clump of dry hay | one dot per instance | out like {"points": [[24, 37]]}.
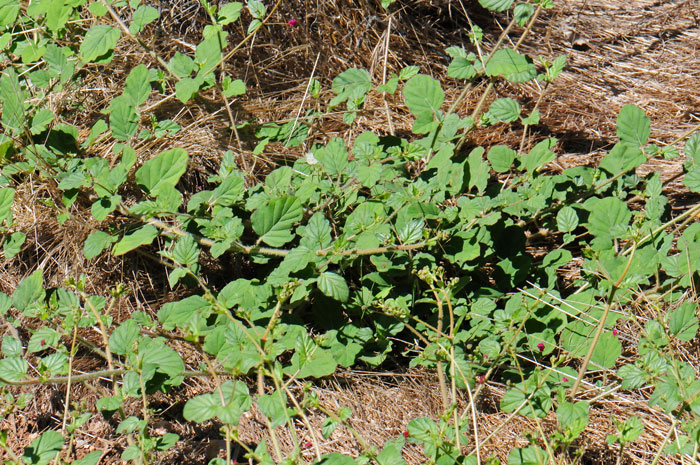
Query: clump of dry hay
{"points": [[619, 52]]}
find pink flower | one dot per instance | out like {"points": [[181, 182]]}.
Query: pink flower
{"points": [[486, 356], [540, 346], [565, 379], [405, 434], [307, 444], [481, 379], [614, 332], [293, 22]]}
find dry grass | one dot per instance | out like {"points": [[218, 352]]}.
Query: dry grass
{"points": [[619, 52]]}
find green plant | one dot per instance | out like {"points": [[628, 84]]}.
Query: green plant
{"points": [[353, 245]]}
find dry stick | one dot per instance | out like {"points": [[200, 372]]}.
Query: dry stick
{"points": [[70, 372], [386, 58], [303, 100], [441, 375], [143, 45], [599, 329]]}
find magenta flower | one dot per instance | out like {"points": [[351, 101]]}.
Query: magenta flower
{"points": [[481, 379], [405, 434], [307, 444], [614, 332], [293, 22], [540, 346], [565, 379]]}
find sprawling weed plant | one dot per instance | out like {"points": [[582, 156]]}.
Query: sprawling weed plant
{"points": [[425, 238]]}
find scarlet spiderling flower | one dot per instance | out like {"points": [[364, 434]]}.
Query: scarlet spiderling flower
{"points": [[540, 346], [481, 379], [293, 22], [307, 444], [405, 434], [614, 332], [565, 379]]}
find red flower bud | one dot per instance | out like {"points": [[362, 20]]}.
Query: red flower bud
{"points": [[405, 434], [540, 346], [293, 22]]}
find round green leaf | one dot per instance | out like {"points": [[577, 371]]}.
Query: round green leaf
{"points": [[567, 219], [334, 286], [633, 126], [423, 94]]}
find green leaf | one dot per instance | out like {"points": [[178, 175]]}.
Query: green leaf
{"points": [[7, 197], [317, 233], [351, 84], [274, 221], [632, 377], [129, 242], [501, 158], [609, 218], [41, 120], [478, 169], [182, 66], [8, 12], [186, 89], [573, 417], [138, 87], [511, 65], [334, 286], [29, 292], [42, 339], [186, 251], [93, 458], [43, 449], [333, 157], [496, 5], [208, 54], [539, 403], [391, 454], [540, 155], [257, 9], [12, 98], [691, 180], [13, 244], [229, 13], [12, 369], [96, 242], [158, 357], [633, 126], [531, 455], [99, 40], [522, 13], [11, 346], [622, 157], [162, 172], [123, 339], [141, 17], [505, 110], [423, 94], [232, 88], [98, 9], [692, 148], [57, 15], [567, 219], [274, 407], [123, 118], [423, 429], [683, 322], [328, 426], [336, 459]]}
